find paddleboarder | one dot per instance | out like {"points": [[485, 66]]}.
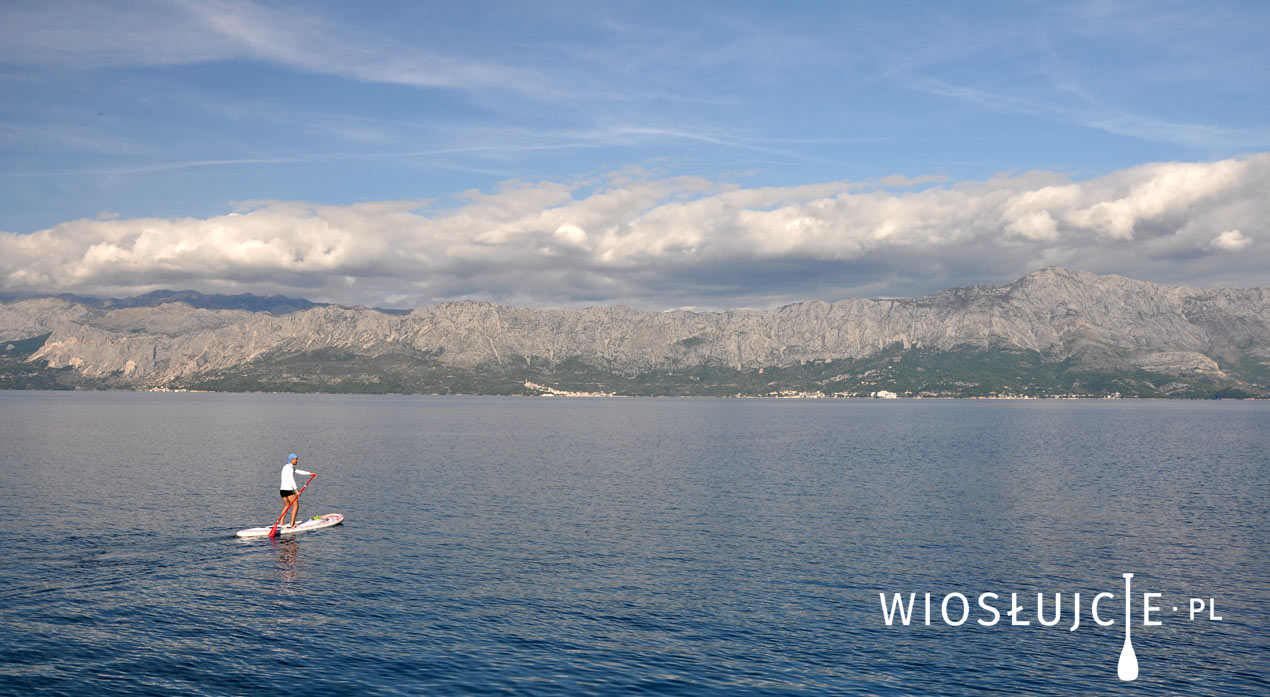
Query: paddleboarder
{"points": [[287, 488]]}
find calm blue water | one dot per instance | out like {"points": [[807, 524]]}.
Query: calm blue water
{"points": [[539, 546]]}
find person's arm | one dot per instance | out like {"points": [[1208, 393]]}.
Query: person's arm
{"points": [[302, 472]]}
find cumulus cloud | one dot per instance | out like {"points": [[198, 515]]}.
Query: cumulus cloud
{"points": [[1230, 241], [672, 242]]}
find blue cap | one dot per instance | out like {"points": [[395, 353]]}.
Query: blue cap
{"points": [[291, 457]]}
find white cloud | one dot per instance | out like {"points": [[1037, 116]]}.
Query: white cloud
{"points": [[571, 235], [1230, 240], [680, 241]]}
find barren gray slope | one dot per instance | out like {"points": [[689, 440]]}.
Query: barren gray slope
{"points": [[1056, 312]]}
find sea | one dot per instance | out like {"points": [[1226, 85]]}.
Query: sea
{"points": [[610, 546]]}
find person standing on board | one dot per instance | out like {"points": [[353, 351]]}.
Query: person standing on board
{"points": [[287, 488]]}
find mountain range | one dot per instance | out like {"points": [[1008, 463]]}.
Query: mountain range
{"points": [[275, 304], [1052, 332]]}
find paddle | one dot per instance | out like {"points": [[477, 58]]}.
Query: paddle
{"points": [[274, 530]]}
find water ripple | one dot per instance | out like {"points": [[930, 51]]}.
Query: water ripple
{"points": [[666, 547]]}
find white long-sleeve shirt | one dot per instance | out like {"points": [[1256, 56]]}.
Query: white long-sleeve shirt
{"points": [[289, 471]]}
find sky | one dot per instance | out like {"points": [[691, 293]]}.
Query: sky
{"points": [[702, 155]]}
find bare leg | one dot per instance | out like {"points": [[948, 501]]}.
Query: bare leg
{"points": [[295, 509], [285, 506]]}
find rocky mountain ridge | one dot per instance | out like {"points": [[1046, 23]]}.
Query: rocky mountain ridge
{"points": [[275, 304], [1082, 321]]}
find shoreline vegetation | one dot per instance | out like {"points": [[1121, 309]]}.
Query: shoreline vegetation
{"points": [[957, 375], [796, 397]]}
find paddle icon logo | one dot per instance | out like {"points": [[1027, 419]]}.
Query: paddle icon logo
{"points": [[1127, 666], [954, 610]]}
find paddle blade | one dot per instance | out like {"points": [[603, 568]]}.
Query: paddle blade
{"points": [[1127, 668]]}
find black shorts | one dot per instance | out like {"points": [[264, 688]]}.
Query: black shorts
{"points": [[286, 492]]}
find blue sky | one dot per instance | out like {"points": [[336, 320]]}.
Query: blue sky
{"points": [[130, 130]]}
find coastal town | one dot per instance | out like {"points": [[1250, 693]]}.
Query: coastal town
{"points": [[538, 390]]}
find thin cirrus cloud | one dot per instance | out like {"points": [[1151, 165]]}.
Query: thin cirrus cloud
{"points": [[1090, 112], [681, 241], [143, 34], [305, 42]]}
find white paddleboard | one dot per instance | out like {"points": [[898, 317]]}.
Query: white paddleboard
{"points": [[324, 521]]}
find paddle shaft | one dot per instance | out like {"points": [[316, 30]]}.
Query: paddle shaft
{"points": [[274, 530]]}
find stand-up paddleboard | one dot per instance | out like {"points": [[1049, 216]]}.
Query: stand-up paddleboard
{"points": [[322, 521]]}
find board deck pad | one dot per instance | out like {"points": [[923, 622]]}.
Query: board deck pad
{"points": [[315, 523]]}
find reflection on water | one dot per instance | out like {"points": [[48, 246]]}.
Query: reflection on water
{"points": [[625, 545], [287, 550]]}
